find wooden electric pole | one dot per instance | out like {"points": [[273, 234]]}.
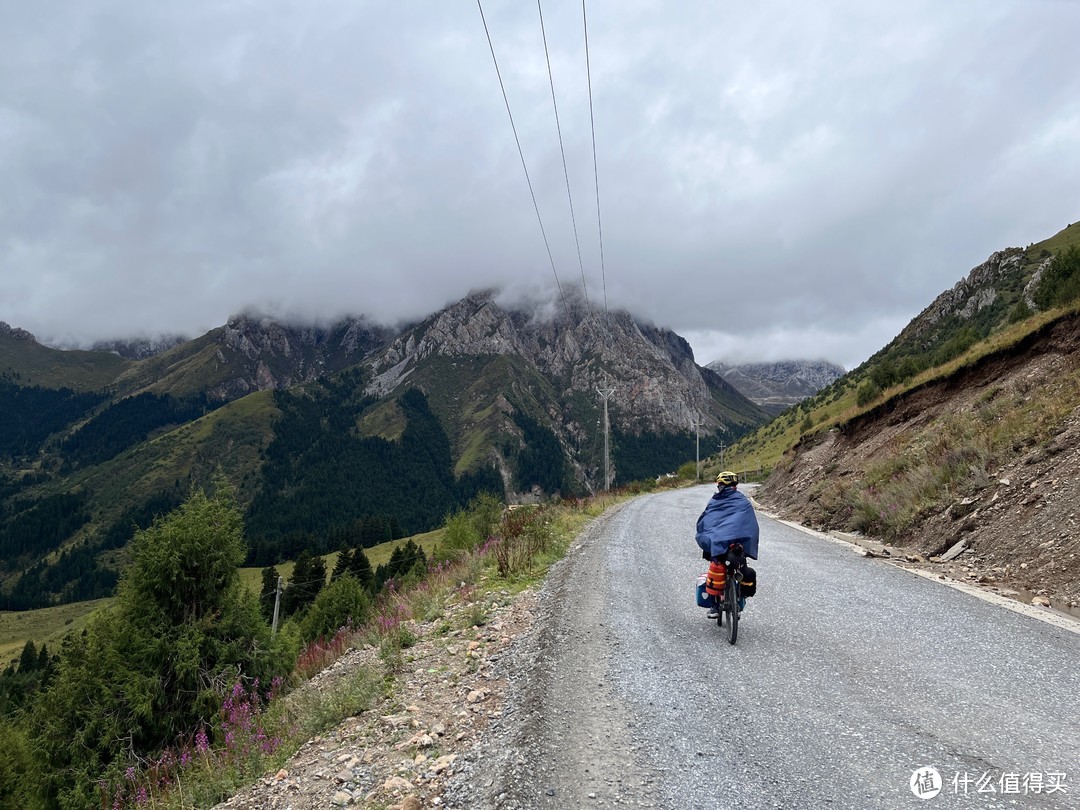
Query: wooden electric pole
{"points": [[277, 604], [697, 446], [605, 394]]}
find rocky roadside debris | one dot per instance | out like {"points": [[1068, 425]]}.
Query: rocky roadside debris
{"points": [[446, 689], [1012, 526], [962, 566]]}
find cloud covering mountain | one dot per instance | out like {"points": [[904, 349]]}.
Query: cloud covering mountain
{"points": [[771, 176]]}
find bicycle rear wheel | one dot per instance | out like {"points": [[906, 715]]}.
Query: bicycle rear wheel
{"points": [[731, 608]]}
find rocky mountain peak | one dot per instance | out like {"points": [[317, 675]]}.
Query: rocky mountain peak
{"points": [[578, 347], [266, 354], [778, 385], [979, 289], [16, 333]]}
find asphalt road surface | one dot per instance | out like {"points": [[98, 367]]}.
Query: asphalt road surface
{"points": [[851, 679]]}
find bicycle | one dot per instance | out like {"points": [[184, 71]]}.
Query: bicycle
{"points": [[728, 602]]}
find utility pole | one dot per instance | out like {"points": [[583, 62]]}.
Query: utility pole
{"points": [[277, 604], [605, 394], [722, 446], [697, 446]]}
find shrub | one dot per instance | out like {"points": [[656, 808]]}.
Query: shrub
{"points": [[152, 668], [524, 535], [1021, 311], [342, 602], [467, 528], [867, 393], [1060, 282]]}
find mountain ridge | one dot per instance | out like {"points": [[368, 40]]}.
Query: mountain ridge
{"points": [[507, 400], [779, 384]]}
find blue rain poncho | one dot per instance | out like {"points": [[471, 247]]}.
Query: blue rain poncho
{"points": [[728, 517]]}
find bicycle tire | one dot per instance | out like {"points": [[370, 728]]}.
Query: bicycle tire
{"points": [[731, 607]]}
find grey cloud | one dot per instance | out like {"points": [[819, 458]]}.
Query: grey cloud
{"points": [[785, 174]]}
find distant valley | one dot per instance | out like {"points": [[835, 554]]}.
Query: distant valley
{"points": [[776, 386]]}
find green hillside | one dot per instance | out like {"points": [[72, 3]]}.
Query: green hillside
{"points": [[45, 626], [901, 366], [300, 461], [122, 493], [31, 364], [190, 368]]}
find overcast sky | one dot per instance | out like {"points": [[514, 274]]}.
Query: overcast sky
{"points": [[776, 179]]}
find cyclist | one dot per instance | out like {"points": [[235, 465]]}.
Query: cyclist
{"points": [[728, 519]]}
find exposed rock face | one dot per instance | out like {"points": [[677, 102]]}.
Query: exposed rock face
{"points": [[271, 355], [15, 332], [487, 370], [1033, 282], [779, 385], [971, 294], [658, 385]]}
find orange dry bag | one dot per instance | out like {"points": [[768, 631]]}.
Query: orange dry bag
{"points": [[715, 579]]}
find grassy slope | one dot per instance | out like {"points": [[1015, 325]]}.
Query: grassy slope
{"points": [[46, 626], [50, 625], [39, 365], [229, 439], [1063, 239], [767, 445], [187, 369], [386, 420], [473, 420], [763, 448]]}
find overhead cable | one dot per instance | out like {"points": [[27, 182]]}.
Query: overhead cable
{"points": [[596, 174], [562, 151], [521, 154]]}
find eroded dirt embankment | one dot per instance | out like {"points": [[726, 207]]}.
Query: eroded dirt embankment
{"points": [[1016, 509]]}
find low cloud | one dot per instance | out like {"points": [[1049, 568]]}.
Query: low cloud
{"points": [[771, 178]]}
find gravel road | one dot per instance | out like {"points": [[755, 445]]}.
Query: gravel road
{"points": [[850, 676]]}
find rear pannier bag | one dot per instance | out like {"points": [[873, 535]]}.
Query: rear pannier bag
{"points": [[705, 600], [748, 586]]}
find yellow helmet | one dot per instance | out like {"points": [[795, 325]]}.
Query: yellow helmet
{"points": [[727, 479]]}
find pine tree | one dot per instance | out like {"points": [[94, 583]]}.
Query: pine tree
{"points": [[395, 528], [145, 671], [308, 578], [318, 576], [343, 564], [360, 567], [28, 661]]}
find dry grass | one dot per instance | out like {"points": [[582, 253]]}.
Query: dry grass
{"points": [[953, 456]]}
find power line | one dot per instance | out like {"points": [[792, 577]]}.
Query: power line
{"points": [[521, 154], [562, 150], [596, 174]]}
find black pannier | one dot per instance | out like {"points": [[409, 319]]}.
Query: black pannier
{"points": [[748, 586]]}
